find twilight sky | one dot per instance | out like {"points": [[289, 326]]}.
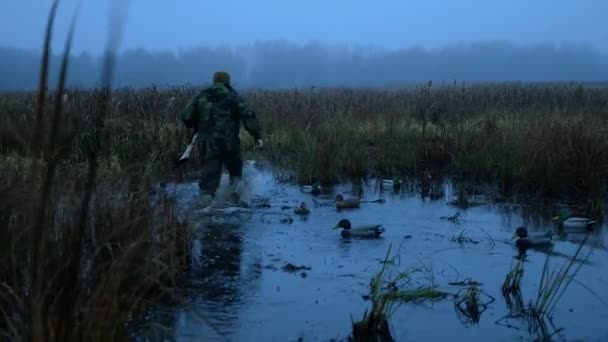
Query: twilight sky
{"points": [[155, 24]]}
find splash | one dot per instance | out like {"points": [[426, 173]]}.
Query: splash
{"points": [[243, 188]]}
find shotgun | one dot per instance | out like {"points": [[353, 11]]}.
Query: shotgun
{"points": [[186, 155]]}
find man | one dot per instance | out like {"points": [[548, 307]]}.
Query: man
{"points": [[215, 113]]}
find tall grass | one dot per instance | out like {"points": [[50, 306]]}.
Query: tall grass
{"points": [[541, 139], [82, 248]]}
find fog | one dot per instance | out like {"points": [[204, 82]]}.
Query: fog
{"points": [[271, 43]]}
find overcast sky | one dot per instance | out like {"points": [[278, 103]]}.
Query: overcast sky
{"points": [[156, 24]]}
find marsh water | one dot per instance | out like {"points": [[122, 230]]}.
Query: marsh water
{"points": [[240, 290]]}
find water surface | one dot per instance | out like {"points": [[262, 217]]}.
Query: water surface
{"points": [[241, 293]]}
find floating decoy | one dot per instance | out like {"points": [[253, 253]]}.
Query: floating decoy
{"points": [[342, 203], [302, 209], [526, 240], [574, 223], [365, 231], [314, 189]]}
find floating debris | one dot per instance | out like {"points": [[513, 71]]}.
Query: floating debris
{"points": [[452, 218], [462, 238], [463, 203], [379, 200], [291, 268], [421, 294], [466, 282], [286, 217], [287, 220]]}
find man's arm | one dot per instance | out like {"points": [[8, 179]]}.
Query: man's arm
{"points": [[189, 115], [249, 119]]}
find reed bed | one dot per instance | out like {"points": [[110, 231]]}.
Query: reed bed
{"points": [[539, 139]]}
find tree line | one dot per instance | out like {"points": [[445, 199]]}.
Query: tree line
{"points": [[280, 64]]}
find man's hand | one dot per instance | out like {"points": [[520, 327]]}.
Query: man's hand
{"points": [[259, 143]]}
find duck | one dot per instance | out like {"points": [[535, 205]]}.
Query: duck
{"points": [[365, 231], [575, 223], [302, 209], [342, 203], [527, 240]]}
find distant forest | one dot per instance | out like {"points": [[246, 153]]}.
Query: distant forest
{"points": [[278, 64]]}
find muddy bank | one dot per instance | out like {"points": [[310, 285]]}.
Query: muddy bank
{"points": [[256, 274]]}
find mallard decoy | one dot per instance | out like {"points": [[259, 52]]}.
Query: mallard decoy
{"points": [[527, 240], [394, 183], [387, 183], [574, 223], [314, 189], [342, 203], [302, 209], [366, 231]]}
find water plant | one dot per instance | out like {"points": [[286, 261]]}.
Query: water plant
{"points": [[387, 293], [537, 315]]}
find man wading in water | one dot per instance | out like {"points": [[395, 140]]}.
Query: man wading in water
{"points": [[215, 113]]}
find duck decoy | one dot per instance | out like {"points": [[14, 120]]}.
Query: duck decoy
{"points": [[365, 231], [314, 189], [387, 183], [526, 240], [342, 203], [302, 209], [574, 223], [394, 183]]}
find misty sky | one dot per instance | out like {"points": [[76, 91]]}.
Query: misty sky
{"points": [[155, 24]]}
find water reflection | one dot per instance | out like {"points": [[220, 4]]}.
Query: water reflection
{"points": [[224, 272], [216, 275]]}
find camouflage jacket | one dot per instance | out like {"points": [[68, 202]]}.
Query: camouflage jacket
{"points": [[216, 113]]}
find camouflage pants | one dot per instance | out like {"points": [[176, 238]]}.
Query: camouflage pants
{"points": [[213, 158]]}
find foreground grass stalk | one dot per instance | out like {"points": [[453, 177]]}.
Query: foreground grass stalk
{"points": [[42, 87], [554, 285], [66, 330], [38, 247]]}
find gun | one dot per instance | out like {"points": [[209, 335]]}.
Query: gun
{"points": [[186, 155]]}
